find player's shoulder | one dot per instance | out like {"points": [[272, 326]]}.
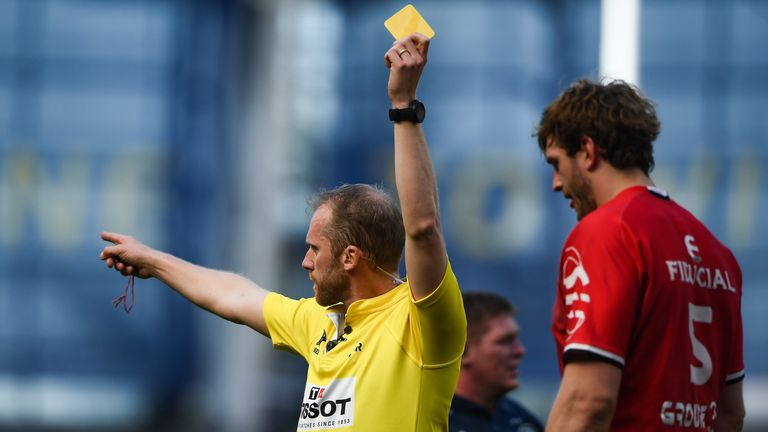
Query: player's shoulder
{"points": [[603, 222], [657, 214], [619, 222], [633, 208]]}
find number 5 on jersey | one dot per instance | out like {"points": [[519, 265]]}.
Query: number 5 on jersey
{"points": [[703, 314]]}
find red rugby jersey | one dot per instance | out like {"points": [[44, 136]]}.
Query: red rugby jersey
{"points": [[645, 285]]}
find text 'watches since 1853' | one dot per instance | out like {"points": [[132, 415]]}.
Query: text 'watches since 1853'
{"points": [[414, 113]]}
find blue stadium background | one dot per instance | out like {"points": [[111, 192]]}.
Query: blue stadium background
{"points": [[201, 126]]}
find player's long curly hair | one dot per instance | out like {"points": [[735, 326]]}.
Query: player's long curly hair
{"points": [[619, 119], [364, 216]]}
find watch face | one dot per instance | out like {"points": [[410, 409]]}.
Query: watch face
{"points": [[414, 113], [419, 111]]}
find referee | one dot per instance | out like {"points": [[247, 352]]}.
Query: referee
{"points": [[383, 353]]}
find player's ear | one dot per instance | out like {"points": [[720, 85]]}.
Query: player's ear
{"points": [[590, 153], [466, 358]]}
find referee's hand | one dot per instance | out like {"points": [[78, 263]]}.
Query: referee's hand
{"points": [[405, 60], [127, 255]]}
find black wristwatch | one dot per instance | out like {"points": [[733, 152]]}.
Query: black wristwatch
{"points": [[414, 113]]}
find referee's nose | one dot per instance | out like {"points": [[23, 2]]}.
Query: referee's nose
{"points": [[307, 263]]}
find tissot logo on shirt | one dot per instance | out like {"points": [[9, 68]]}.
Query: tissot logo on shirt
{"points": [[328, 407], [316, 393]]}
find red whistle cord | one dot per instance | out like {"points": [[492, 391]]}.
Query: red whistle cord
{"points": [[124, 298]]}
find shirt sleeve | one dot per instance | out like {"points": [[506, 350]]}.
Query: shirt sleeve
{"points": [[598, 292], [288, 321], [736, 370], [439, 323]]}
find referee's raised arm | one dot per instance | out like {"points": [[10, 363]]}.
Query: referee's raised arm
{"points": [[425, 255]]}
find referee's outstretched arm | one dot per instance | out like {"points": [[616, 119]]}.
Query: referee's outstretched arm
{"points": [[425, 255], [226, 294]]}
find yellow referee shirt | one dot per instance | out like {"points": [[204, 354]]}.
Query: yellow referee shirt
{"points": [[389, 364]]}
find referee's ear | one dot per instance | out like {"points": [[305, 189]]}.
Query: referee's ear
{"points": [[351, 257]]}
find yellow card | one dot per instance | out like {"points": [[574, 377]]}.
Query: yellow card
{"points": [[406, 21]]}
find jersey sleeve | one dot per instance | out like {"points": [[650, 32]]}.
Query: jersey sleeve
{"points": [[289, 321], [598, 292], [440, 323], [736, 370]]}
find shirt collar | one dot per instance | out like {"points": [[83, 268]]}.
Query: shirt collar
{"points": [[366, 306]]}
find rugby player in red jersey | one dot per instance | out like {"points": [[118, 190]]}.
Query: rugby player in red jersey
{"points": [[647, 316]]}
